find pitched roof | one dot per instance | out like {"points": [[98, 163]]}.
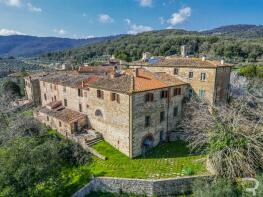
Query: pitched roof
{"points": [[96, 69], [63, 114], [121, 83], [182, 62], [70, 80], [141, 80]]}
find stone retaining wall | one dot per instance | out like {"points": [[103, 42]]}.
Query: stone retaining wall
{"points": [[161, 187], [83, 144]]}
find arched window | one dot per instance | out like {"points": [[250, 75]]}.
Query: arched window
{"points": [[98, 113]]}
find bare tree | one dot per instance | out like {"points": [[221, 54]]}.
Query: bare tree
{"points": [[231, 135]]}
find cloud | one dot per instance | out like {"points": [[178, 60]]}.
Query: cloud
{"points": [[15, 3], [180, 17], [8, 32], [162, 20], [33, 8], [105, 18], [135, 29], [146, 3], [60, 31]]}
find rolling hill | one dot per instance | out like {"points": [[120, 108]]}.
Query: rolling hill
{"points": [[234, 43], [244, 31], [28, 46]]}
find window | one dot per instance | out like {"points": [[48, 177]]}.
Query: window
{"points": [[176, 71], [164, 94], [47, 118], [177, 91], [45, 97], [98, 113], [65, 102], [191, 75], [100, 94], [162, 116], [55, 98], [60, 125], [80, 92], [85, 94], [51, 86], [64, 88], [149, 97], [175, 111], [55, 87], [115, 97], [44, 84], [80, 107], [203, 76], [147, 121], [201, 93]]}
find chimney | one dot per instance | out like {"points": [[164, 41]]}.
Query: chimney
{"points": [[222, 62], [183, 51]]}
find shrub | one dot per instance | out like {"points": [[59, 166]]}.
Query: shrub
{"points": [[215, 188], [187, 171]]}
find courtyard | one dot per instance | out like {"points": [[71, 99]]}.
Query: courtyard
{"points": [[171, 159]]}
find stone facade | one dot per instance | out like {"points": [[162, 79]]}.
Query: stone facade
{"points": [[32, 90], [109, 118], [157, 130], [215, 86]]}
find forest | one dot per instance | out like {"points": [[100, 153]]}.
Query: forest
{"points": [[234, 49]]}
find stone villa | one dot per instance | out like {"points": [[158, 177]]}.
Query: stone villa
{"points": [[134, 108]]}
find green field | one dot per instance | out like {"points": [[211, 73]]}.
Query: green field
{"points": [[170, 159]]}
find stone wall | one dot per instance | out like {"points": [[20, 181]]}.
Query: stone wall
{"points": [[161, 187], [222, 85], [114, 121], [32, 90]]}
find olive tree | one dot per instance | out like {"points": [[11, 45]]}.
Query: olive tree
{"points": [[231, 135]]}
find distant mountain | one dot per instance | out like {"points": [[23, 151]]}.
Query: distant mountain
{"points": [[242, 31], [28, 46]]}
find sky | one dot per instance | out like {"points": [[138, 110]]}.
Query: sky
{"points": [[93, 18]]}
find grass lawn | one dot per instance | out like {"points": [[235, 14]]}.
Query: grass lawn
{"points": [[167, 160]]}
